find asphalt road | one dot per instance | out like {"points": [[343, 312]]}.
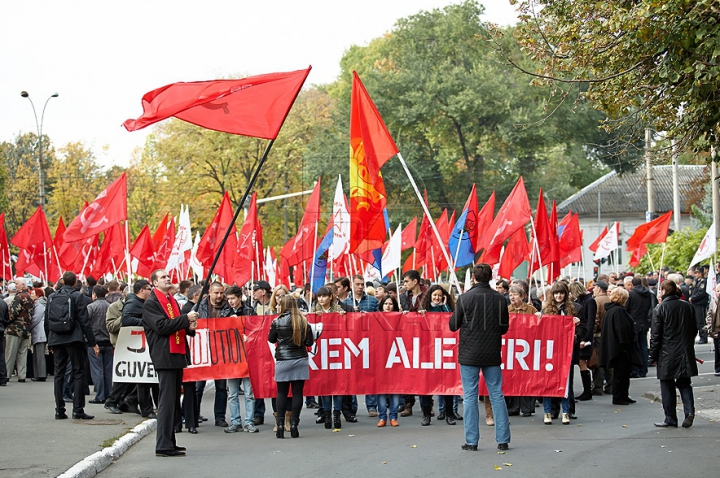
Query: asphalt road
{"points": [[606, 440]]}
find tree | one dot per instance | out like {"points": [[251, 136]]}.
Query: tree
{"points": [[644, 62], [680, 249]]}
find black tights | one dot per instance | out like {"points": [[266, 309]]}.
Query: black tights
{"points": [[297, 398]]}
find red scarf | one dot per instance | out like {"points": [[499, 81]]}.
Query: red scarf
{"points": [[172, 310]]}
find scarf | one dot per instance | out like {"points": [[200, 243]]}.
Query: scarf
{"points": [[172, 310]]}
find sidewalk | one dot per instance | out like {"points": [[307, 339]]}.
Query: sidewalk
{"points": [[35, 444]]}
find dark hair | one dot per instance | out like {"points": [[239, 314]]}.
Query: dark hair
{"points": [[184, 286], [669, 287], [392, 299], [391, 287], [524, 284], [358, 276], [69, 278], [234, 290], [636, 281], [503, 283], [154, 275], [194, 290], [140, 285], [482, 272], [412, 274], [324, 292], [216, 284], [99, 291], [91, 281], [427, 297], [112, 285], [343, 281]]}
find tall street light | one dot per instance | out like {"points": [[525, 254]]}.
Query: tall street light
{"points": [[39, 127]]}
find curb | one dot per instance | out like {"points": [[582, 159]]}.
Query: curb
{"points": [[98, 461]]}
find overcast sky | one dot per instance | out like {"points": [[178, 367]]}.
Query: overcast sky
{"points": [[102, 56]]}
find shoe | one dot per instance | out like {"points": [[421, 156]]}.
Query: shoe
{"points": [[490, 421], [287, 420], [688, 422], [457, 416], [37, 379], [630, 400], [337, 423], [407, 411], [525, 414], [312, 404], [60, 416], [554, 416], [4, 383], [233, 429], [112, 409], [665, 425], [584, 397], [192, 430], [68, 399], [320, 419], [717, 374], [327, 419], [180, 448], [547, 419], [351, 419], [21, 380], [572, 416], [425, 420], [449, 420], [258, 420], [250, 428], [169, 453], [381, 423], [620, 402], [151, 416], [441, 416], [503, 446], [469, 447], [96, 401], [221, 423], [394, 423], [177, 429], [123, 408], [294, 432], [82, 416], [202, 418], [566, 419], [700, 342], [597, 393], [372, 413]]}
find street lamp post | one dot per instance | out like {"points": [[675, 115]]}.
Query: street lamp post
{"points": [[39, 126]]}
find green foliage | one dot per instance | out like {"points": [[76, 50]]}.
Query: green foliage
{"points": [[679, 251]]}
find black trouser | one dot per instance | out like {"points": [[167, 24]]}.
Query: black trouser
{"points": [[221, 396], [621, 380], [76, 354], [716, 346], [118, 392], [141, 398], [669, 399], [700, 312], [168, 402], [3, 366], [297, 398], [516, 405], [189, 407]]}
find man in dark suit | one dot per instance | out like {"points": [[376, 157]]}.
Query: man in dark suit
{"points": [[165, 329]]}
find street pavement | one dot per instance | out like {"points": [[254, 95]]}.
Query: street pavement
{"points": [[606, 440]]}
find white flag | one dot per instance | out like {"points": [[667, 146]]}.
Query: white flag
{"points": [[270, 266], [608, 243], [183, 240], [468, 280], [341, 225], [391, 258], [197, 267], [707, 248]]}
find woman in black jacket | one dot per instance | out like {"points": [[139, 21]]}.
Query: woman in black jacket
{"points": [[618, 350], [584, 344], [292, 334]]}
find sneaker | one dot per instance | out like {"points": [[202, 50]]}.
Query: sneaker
{"points": [[233, 429], [566, 419], [250, 428], [372, 412], [547, 419]]}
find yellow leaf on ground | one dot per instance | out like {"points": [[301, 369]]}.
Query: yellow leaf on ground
{"points": [[498, 467]]}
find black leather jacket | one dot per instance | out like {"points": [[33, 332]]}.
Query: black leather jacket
{"points": [[281, 333]]}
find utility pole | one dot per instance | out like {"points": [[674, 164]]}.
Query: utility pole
{"points": [[649, 170]]}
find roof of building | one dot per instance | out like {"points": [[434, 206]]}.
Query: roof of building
{"points": [[627, 193]]}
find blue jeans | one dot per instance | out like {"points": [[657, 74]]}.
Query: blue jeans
{"points": [[101, 370], [470, 376], [332, 402], [441, 403], [371, 402], [565, 401], [233, 385], [383, 408]]}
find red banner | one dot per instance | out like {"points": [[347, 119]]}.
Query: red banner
{"points": [[357, 354], [217, 350]]}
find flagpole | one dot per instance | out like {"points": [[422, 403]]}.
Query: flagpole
{"points": [[239, 208], [45, 260], [127, 253], [652, 266], [662, 257], [457, 251], [312, 267], [453, 277], [537, 248]]}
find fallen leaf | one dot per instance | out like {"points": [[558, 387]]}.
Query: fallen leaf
{"points": [[413, 446], [501, 453], [336, 430], [384, 462], [351, 435], [580, 425], [662, 446], [498, 467], [507, 464], [669, 451], [624, 426], [558, 451]]}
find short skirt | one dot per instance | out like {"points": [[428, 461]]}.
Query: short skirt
{"points": [[291, 370]]}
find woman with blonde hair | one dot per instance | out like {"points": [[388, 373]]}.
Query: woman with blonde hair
{"points": [[292, 334], [277, 293]]}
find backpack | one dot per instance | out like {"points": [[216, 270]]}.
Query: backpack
{"points": [[58, 313]]}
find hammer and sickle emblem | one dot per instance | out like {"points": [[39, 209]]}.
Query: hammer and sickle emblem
{"points": [[87, 217], [221, 106], [141, 349]]}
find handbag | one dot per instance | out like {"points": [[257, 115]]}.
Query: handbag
{"points": [[594, 361]]}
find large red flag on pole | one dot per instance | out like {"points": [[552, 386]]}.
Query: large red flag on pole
{"points": [[570, 244], [254, 106], [109, 208], [302, 247], [514, 214], [248, 262], [210, 242], [35, 231], [142, 250], [516, 251], [5, 269], [652, 232], [371, 146]]}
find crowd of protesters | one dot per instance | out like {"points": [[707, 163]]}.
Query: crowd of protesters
{"points": [[624, 324]]}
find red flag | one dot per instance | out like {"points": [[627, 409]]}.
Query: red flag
{"points": [[248, 262], [5, 269], [545, 237], [112, 251], [210, 242], [652, 232], [110, 207], [371, 146], [424, 242], [570, 244], [514, 214], [408, 234], [484, 221], [59, 231], [142, 250], [554, 260], [26, 263], [85, 257], [301, 247], [253, 106], [443, 226], [163, 241], [35, 231], [517, 250], [593, 247]]}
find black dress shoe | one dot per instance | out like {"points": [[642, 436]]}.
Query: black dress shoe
{"points": [[457, 416], [82, 416], [503, 446], [351, 419], [620, 402], [441, 416], [449, 420], [630, 400], [60, 416], [572, 416], [21, 380], [221, 423], [202, 418], [96, 401], [151, 416], [688, 422], [112, 409], [177, 430], [170, 453], [469, 447], [180, 448], [665, 425], [68, 399], [258, 420], [192, 430], [525, 414], [37, 379]]}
